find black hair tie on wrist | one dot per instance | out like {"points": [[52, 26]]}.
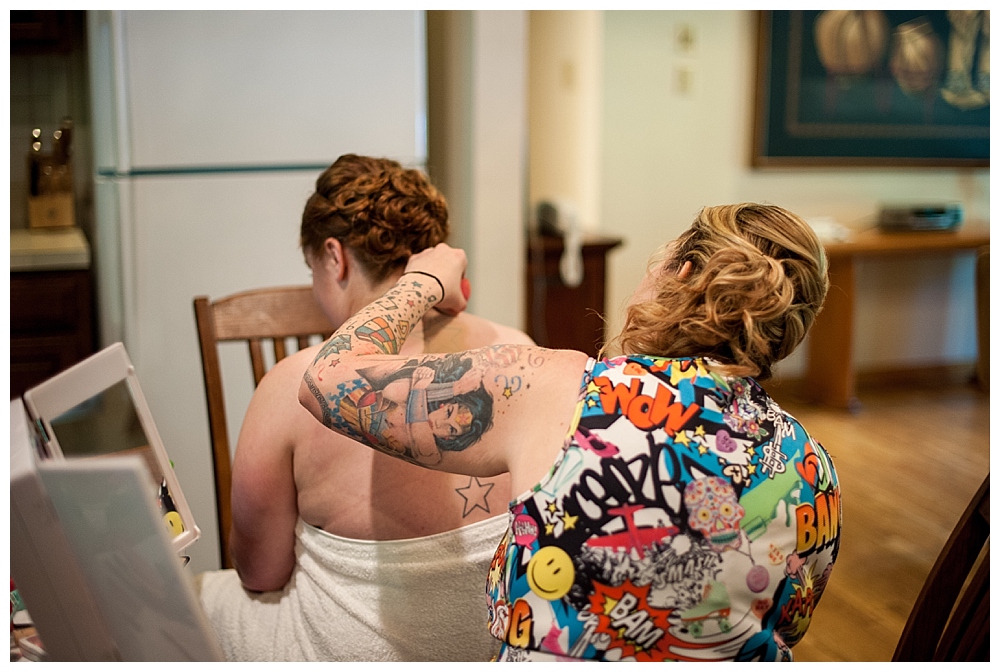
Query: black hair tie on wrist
{"points": [[430, 276]]}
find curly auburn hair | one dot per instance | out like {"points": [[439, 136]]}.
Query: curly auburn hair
{"points": [[381, 211], [757, 282]]}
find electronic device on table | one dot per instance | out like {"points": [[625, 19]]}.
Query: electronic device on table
{"points": [[920, 218], [99, 521]]}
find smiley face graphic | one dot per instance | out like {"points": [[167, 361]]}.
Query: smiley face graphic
{"points": [[551, 573], [174, 524]]}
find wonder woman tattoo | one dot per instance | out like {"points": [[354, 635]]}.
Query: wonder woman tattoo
{"points": [[417, 409]]}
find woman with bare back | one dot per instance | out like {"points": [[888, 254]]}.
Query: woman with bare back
{"points": [[333, 543]]}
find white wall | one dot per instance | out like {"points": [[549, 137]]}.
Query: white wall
{"points": [[477, 148], [565, 87], [670, 149], [499, 161]]}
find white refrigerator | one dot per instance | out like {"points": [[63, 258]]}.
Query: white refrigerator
{"points": [[210, 128]]}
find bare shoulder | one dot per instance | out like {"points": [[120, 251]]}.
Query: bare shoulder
{"points": [[535, 393], [559, 369], [467, 331], [275, 401], [291, 367], [504, 334]]}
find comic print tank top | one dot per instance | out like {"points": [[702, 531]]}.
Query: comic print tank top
{"points": [[688, 517]]}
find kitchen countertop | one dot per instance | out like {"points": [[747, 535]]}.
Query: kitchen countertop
{"points": [[56, 249]]}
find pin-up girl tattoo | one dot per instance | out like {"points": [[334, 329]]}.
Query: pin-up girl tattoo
{"points": [[415, 411]]}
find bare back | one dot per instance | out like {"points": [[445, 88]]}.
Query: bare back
{"points": [[352, 491]]}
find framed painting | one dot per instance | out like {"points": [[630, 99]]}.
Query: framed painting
{"points": [[872, 88]]}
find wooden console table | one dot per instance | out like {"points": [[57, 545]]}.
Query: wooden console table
{"points": [[558, 316], [830, 375]]}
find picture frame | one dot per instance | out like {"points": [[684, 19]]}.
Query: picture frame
{"points": [[872, 88]]}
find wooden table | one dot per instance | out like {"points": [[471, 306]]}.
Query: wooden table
{"points": [[830, 374], [558, 316]]}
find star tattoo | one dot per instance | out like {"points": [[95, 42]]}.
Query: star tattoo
{"points": [[475, 494]]}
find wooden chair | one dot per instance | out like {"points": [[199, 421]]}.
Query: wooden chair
{"points": [[257, 316], [983, 318], [951, 618]]}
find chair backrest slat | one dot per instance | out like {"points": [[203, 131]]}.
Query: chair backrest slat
{"points": [[254, 316], [968, 629], [270, 313], [945, 623], [256, 360], [279, 349]]}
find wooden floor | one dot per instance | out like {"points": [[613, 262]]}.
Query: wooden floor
{"points": [[908, 463]]}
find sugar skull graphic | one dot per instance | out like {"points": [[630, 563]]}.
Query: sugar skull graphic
{"points": [[714, 511]]}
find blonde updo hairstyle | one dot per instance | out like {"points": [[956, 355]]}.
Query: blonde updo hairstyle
{"points": [[379, 210], [758, 279]]}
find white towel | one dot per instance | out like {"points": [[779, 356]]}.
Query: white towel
{"points": [[418, 599]]}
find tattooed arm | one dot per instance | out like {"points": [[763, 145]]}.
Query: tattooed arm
{"points": [[458, 412]]}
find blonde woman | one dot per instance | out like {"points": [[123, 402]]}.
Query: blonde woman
{"points": [[666, 507]]}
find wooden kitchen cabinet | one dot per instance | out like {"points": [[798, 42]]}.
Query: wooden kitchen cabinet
{"points": [[51, 324]]}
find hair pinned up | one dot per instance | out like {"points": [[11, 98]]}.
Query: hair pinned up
{"points": [[758, 279], [381, 211]]}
